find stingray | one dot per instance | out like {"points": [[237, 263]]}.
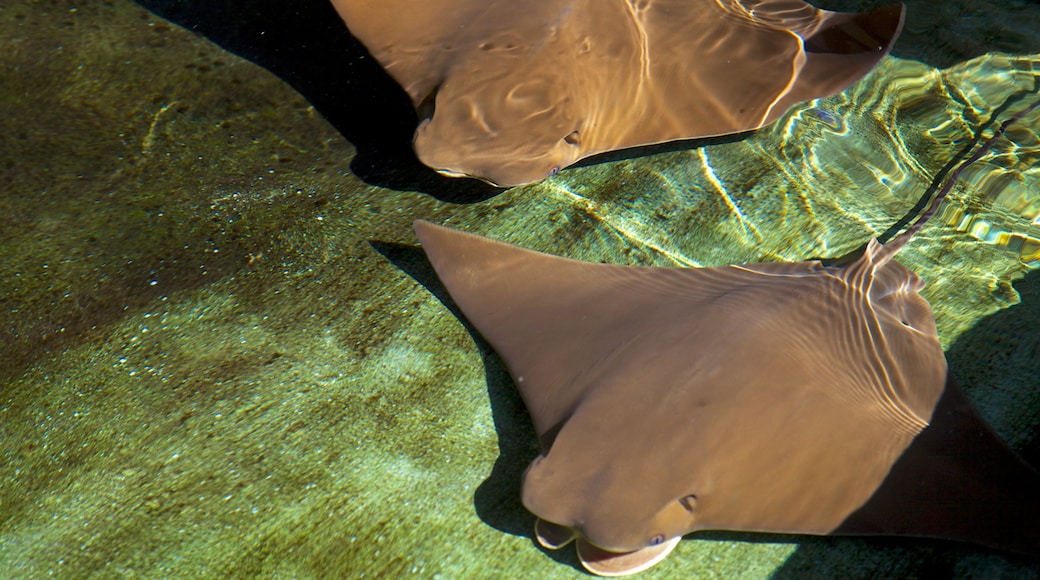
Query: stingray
{"points": [[511, 92], [775, 397]]}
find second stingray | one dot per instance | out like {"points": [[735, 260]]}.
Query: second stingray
{"points": [[510, 92], [788, 397]]}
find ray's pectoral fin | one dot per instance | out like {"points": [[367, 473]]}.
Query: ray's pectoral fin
{"points": [[844, 49]]}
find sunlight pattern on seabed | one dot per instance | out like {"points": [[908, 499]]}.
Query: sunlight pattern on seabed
{"points": [[946, 108]]}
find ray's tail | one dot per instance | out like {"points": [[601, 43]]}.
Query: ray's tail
{"points": [[893, 246]]}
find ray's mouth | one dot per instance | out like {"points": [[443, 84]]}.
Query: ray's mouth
{"points": [[612, 564], [601, 561]]}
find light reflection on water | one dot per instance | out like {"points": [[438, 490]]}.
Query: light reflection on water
{"points": [[827, 177]]}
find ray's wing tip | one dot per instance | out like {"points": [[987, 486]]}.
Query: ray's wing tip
{"points": [[420, 226], [430, 233], [422, 229], [439, 243]]}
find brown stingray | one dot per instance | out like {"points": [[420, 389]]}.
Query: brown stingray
{"points": [[789, 397], [510, 92]]}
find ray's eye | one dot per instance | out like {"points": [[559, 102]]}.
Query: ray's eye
{"points": [[572, 139], [657, 539], [554, 170], [689, 502]]}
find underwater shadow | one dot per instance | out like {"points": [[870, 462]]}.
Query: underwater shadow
{"points": [[944, 34], [497, 498], [1000, 353], [306, 45]]}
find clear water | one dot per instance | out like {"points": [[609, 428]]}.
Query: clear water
{"points": [[219, 357]]}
